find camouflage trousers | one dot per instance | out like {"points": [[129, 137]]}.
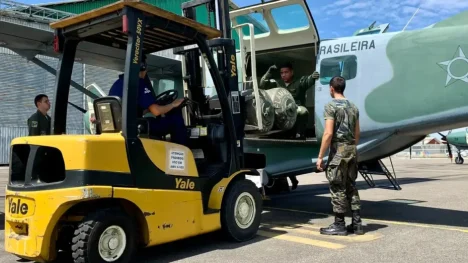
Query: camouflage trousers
{"points": [[341, 173]]}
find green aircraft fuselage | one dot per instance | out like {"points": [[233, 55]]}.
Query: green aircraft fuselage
{"points": [[405, 84]]}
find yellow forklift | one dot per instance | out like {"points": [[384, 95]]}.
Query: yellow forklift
{"points": [[100, 198]]}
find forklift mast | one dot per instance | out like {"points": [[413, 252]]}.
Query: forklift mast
{"points": [[225, 49]]}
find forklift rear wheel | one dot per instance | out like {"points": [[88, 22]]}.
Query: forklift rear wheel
{"points": [[104, 236], [242, 211]]}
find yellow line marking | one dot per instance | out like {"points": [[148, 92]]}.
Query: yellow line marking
{"points": [[301, 240], [350, 238], [376, 220], [291, 225]]}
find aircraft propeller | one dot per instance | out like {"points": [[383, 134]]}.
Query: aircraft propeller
{"points": [[444, 139]]}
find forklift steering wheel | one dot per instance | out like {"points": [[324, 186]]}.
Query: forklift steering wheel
{"points": [[166, 97]]}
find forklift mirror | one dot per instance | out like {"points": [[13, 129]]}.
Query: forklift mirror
{"points": [[108, 112]]}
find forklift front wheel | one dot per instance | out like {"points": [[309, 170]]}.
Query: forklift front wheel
{"points": [[242, 210], [104, 236]]}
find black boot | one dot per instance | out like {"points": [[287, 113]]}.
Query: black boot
{"points": [[337, 228], [356, 225]]}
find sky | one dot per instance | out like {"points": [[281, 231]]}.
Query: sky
{"points": [[341, 18]]}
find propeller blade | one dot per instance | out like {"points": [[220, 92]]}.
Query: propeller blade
{"points": [[449, 151], [443, 138]]}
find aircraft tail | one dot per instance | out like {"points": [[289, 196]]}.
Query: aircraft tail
{"points": [[460, 19]]}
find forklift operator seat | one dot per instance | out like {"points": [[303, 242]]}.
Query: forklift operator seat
{"points": [[108, 112]]}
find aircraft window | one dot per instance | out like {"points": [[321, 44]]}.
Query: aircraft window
{"points": [[344, 66], [260, 25], [282, 16]]}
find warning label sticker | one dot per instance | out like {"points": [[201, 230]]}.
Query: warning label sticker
{"points": [[177, 160]]}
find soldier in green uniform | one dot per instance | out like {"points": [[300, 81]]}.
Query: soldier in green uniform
{"points": [[297, 87], [39, 122], [342, 135]]}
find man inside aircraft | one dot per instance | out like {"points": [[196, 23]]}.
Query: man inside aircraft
{"points": [[167, 120], [297, 87]]}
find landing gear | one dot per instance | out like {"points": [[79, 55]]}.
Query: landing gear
{"points": [[277, 185], [459, 159]]}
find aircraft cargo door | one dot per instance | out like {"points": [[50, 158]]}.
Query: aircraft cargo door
{"points": [[275, 38], [277, 24]]}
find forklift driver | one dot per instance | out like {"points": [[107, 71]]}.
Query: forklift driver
{"points": [[167, 120]]}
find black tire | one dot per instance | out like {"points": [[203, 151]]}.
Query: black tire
{"points": [[85, 242], [228, 220]]}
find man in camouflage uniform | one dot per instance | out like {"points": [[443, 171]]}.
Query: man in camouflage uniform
{"points": [[297, 87], [39, 122], [342, 135]]}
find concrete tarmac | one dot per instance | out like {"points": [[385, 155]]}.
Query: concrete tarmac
{"points": [[426, 221]]}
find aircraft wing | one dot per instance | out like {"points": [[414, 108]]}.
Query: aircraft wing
{"points": [[30, 41]]}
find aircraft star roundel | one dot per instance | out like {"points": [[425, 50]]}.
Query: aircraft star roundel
{"points": [[454, 66]]}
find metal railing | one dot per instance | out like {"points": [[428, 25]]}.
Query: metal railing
{"points": [[31, 12], [427, 151], [253, 58]]}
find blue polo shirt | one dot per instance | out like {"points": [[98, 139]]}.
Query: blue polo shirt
{"points": [[145, 98]]}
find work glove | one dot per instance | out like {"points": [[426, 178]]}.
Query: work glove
{"points": [[315, 75], [270, 71]]}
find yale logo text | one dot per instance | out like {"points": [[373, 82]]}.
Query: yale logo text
{"points": [[233, 66], [17, 207], [184, 184]]}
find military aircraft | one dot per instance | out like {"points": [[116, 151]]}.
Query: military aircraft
{"points": [[406, 84], [459, 140]]}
